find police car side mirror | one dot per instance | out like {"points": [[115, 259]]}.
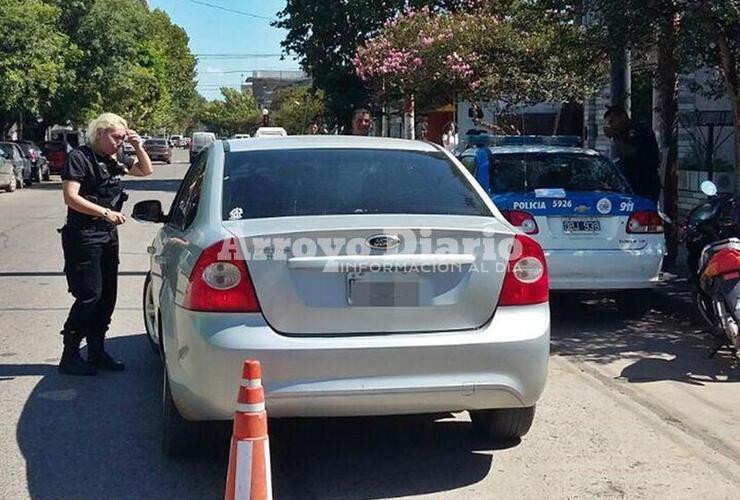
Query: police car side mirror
{"points": [[149, 211]]}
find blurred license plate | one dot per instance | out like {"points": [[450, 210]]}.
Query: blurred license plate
{"points": [[370, 289], [581, 226]]}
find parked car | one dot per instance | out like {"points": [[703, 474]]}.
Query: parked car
{"points": [[56, 153], [270, 132], [8, 181], [379, 322], [40, 165], [176, 141], [22, 165], [158, 149], [199, 142], [598, 236]]}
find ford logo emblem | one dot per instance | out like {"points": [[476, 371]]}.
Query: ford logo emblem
{"points": [[383, 241]]}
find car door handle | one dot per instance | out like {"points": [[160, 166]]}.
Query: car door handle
{"points": [[150, 250]]}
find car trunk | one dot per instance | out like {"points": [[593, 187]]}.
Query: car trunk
{"points": [[318, 274]]}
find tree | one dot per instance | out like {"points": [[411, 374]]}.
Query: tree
{"points": [[717, 47], [295, 107], [178, 67], [325, 35], [236, 113], [496, 51], [125, 59], [32, 59]]}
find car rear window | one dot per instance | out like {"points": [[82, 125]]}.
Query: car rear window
{"points": [[155, 142], [298, 182], [7, 149], [573, 172]]}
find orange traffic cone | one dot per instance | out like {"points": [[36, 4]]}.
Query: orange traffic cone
{"points": [[249, 476]]}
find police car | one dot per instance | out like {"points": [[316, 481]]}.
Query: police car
{"points": [[597, 235]]}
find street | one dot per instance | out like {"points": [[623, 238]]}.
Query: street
{"points": [[633, 409]]}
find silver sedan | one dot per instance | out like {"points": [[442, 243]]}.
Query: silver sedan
{"points": [[369, 276]]}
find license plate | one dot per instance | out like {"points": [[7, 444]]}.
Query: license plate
{"points": [[383, 289], [581, 226]]}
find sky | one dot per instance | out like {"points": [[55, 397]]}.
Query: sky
{"points": [[215, 31]]}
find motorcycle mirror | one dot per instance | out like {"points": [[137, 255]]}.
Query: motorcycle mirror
{"points": [[708, 188]]}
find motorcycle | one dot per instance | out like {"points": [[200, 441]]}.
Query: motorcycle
{"points": [[716, 219], [718, 295]]}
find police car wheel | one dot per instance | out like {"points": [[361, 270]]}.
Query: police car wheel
{"points": [[635, 303], [502, 424]]}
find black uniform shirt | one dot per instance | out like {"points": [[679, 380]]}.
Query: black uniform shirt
{"points": [[97, 175], [639, 158]]}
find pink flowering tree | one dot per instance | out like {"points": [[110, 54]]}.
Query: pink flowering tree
{"points": [[492, 50]]}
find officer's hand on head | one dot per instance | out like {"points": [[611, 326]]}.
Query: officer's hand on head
{"points": [[116, 218], [133, 138]]}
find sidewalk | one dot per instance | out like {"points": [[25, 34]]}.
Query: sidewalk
{"points": [[674, 294]]}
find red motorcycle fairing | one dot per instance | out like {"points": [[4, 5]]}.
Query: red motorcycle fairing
{"points": [[725, 263]]}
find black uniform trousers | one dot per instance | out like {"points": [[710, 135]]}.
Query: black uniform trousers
{"points": [[91, 268]]}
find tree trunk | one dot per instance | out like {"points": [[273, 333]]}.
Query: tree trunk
{"points": [[667, 107], [729, 71]]}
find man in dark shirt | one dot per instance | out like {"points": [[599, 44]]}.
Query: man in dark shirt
{"points": [[637, 151]]}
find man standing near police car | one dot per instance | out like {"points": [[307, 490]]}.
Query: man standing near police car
{"points": [[637, 152], [91, 184]]}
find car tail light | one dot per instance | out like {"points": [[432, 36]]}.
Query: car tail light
{"points": [[526, 280], [220, 281], [522, 220], [645, 222]]}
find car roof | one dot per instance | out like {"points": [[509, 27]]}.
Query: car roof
{"points": [[538, 149], [328, 141]]}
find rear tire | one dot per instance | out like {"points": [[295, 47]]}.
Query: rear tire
{"points": [[502, 424], [150, 314], [634, 304]]}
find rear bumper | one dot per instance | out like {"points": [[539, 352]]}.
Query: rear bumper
{"points": [[604, 269], [502, 365]]}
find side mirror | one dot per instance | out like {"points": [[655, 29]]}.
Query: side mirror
{"points": [[149, 211], [708, 188]]}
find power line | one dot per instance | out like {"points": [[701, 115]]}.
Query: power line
{"points": [[227, 9]]}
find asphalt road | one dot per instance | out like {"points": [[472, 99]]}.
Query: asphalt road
{"points": [[632, 409]]}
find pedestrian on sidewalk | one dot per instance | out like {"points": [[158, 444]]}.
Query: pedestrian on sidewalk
{"points": [[636, 150], [91, 184]]}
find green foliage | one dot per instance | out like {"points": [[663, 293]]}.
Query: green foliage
{"points": [[507, 51], [295, 107], [236, 113], [325, 35], [32, 58], [68, 60]]}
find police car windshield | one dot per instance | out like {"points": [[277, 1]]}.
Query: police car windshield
{"points": [[521, 172]]}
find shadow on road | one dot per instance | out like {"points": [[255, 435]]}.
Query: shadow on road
{"points": [[594, 331], [99, 437]]}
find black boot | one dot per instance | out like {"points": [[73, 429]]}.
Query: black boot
{"points": [[97, 356], [71, 362]]}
